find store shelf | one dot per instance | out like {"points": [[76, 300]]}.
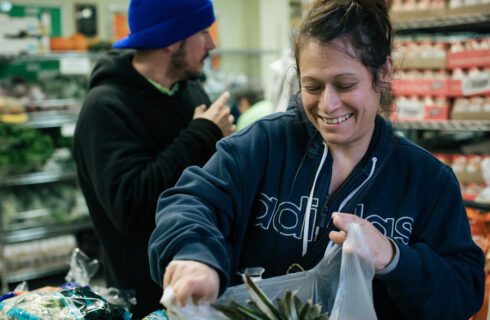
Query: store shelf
{"points": [[38, 209], [55, 55], [36, 178], [37, 273], [461, 20], [478, 205], [47, 231], [475, 18], [245, 52], [448, 125], [53, 119]]}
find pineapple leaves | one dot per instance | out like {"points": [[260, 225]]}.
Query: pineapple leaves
{"points": [[289, 307], [237, 311], [263, 303]]}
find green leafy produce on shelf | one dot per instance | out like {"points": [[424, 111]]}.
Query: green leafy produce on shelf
{"points": [[23, 150], [37, 205]]}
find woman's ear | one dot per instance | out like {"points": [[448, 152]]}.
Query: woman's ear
{"points": [[386, 71]]}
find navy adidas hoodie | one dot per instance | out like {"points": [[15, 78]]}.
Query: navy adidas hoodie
{"points": [[246, 207]]}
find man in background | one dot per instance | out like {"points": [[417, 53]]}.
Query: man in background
{"points": [[144, 121], [251, 104]]}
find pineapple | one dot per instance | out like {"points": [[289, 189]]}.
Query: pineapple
{"points": [[289, 307]]}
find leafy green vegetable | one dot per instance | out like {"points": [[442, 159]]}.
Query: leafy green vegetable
{"points": [[288, 307], [23, 150]]}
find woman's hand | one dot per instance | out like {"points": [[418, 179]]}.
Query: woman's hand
{"points": [[191, 280], [380, 247]]}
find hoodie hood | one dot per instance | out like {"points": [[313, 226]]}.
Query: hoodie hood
{"points": [[116, 67], [296, 103]]}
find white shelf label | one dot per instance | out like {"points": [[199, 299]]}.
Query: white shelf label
{"points": [[68, 130], [78, 65]]}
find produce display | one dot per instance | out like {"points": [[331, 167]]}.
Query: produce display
{"points": [[33, 206], [23, 150]]}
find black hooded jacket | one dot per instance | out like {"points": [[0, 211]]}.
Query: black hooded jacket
{"points": [[131, 143]]}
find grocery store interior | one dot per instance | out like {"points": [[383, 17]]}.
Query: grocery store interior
{"points": [[441, 88]]}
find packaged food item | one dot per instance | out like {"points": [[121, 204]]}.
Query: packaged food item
{"points": [[157, 315], [79, 303]]}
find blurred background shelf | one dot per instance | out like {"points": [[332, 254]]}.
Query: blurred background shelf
{"points": [[46, 231], [444, 125], [37, 178]]}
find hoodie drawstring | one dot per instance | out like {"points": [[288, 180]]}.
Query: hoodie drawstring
{"points": [[373, 166], [306, 225]]}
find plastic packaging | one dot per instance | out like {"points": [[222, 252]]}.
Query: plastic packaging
{"points": [[341, 283], [75, 300], [73, 304], [318, 284], [354, 298], [196, 312], [157, 315], [83, 269]]}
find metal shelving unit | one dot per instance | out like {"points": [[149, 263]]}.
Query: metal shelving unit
{"points": [[53, 119], [479, 20], [478, 205], [37, 178], [47, 231], [34, 230], [54, 55], [42, 220], [37, 273], [445, 125], [448, 134], [473, 18]]}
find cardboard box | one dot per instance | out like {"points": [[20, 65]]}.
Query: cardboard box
{"points": [[421, 87], [421, 63], [469, 87], [482, 116], [410, 16], [468, 59], [436, 113], [469, 10], [408, 111], [466, 177]]}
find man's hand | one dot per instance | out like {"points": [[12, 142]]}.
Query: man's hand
{"points": [[380, 247], [191, 279], [219, 113]]}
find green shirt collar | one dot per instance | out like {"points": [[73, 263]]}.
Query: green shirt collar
{"points": [[169, 92]]}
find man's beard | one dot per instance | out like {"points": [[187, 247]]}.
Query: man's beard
{"points": [[179, 68]]}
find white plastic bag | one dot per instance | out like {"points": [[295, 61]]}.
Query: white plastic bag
{"points": [[341, 283], [354, 298], [318, 284]]}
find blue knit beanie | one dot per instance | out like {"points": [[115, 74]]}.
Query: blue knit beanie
{"points": [[160, 23]]}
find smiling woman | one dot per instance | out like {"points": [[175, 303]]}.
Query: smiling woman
{"points": [[338, 95], [278, 192]]}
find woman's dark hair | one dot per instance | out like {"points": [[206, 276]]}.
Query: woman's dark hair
{"points": [[365, 24]]}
